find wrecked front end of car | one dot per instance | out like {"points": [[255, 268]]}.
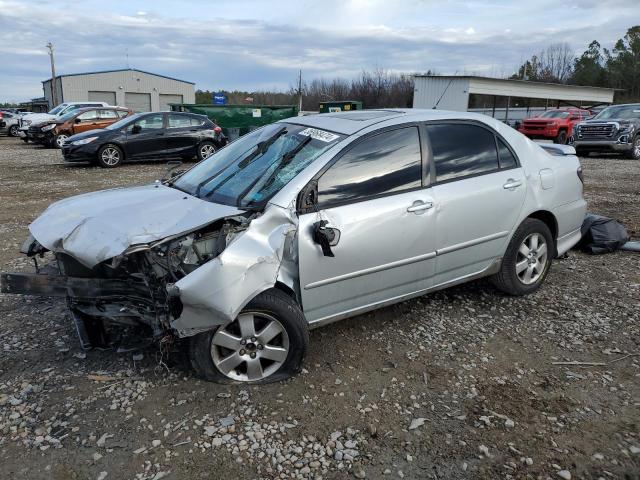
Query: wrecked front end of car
{"points": [[175, 286]]}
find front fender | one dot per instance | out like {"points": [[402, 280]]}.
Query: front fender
{"points": [[215, 293]]}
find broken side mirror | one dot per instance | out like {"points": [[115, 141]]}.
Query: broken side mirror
{"points": [[326, 237], [308, 197]]}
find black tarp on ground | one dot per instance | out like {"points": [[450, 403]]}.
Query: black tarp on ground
{"points": [[601, 234]]}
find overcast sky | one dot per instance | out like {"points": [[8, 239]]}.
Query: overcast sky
{"points": [[256, 44]]}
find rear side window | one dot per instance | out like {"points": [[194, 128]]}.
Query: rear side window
{"points": [[507, 159], [122, 113], [179, 121], [196, 122], [89, 115], [108, 114], [385, 163], [462, 150]]}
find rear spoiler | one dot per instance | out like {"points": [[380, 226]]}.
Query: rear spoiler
{"points": [[557, 149]]}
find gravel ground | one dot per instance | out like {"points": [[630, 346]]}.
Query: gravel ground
{"points": [[458, 384]]}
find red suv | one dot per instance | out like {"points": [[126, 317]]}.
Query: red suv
{"points": [[556, 125]]}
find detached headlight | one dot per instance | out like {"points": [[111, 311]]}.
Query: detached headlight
{"points": [[84, 141], [46, 128]]}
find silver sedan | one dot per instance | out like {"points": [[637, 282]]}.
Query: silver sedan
{"points": [[305, 222]]}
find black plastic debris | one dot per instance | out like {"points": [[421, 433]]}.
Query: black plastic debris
{"points": [[601, 234]]}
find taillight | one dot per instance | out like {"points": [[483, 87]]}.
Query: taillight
{"points": [[217, 129], [580, 174]]}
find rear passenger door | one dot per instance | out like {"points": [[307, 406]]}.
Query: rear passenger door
{"points": [[479, 189], [181, 134], [376, 196]]}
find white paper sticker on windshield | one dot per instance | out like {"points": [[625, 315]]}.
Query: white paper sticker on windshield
{"points": [[319, 134]]}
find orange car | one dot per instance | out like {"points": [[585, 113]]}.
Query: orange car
{"points": [[54, 133]]}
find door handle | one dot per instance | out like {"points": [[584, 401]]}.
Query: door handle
{"points": [[419, 206], [512, 184]]}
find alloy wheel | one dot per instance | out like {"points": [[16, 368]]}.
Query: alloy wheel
{"points": [[110, 156], [206, 151], [13, 131], [60, 139], [531, 259], [250, 348]]}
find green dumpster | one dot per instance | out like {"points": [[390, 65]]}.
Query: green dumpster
{"points": [[340, 106], [237, 120]]}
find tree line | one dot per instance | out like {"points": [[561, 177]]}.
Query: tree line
{"points": [[617, 68]]}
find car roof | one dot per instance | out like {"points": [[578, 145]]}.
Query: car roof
{"points": [[349, 123]]}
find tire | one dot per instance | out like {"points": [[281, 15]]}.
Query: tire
{"points": [[13, 131], [512, 279], [205, 149], [110, 156], [561, 138], [634, 153], [287, 348], [58, 140]]}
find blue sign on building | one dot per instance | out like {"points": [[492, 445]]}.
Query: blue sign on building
{"points": [[219, 99]]}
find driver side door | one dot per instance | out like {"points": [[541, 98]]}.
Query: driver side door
{"points": [[146, 137], [376, 197]]}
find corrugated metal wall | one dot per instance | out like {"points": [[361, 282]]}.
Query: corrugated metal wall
{"points": [[454, 93], [75, 88]]}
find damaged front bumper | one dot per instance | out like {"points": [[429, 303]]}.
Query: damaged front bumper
{"points": [[181, 285]]}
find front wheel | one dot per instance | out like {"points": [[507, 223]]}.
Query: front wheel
{"points": [[561, 138], [13, 131], [59, 140], [110, 156], [206, 149], [634, 153], [266, 343], [528, 258]]}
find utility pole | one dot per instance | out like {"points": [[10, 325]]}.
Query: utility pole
{"points": [[300, 92], [54, 96]]}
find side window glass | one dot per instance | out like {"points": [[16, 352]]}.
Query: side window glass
{"points": [[507, 160], [179, 121], [151, 122], [384, 163], [108, 114], [90, 115], [461, 150], [122, 113], [196, 122]]}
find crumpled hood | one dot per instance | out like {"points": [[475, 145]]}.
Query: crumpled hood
{"points": [[97, 226], [36, 118]]}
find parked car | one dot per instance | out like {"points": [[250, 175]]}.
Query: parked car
{"points": [[144, 136], [304, 222], [555, 125], [11, 121], [33, 118], [616, 129], [54, 133]]}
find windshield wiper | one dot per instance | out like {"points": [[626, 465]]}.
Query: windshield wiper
{"points": [[260, 149], [284, 161]]}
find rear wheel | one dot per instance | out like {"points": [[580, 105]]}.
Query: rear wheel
{"points": [[528, 258], [206, 149], [561, 138], [110, 156], [266, 343], [634, 153]]}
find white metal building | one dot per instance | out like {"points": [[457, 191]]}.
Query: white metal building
{"points": [[141, 91], [452, 92]]}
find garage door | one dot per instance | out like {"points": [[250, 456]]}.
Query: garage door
{"points": [[166, 99], [138, 102], [108, 97]]}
